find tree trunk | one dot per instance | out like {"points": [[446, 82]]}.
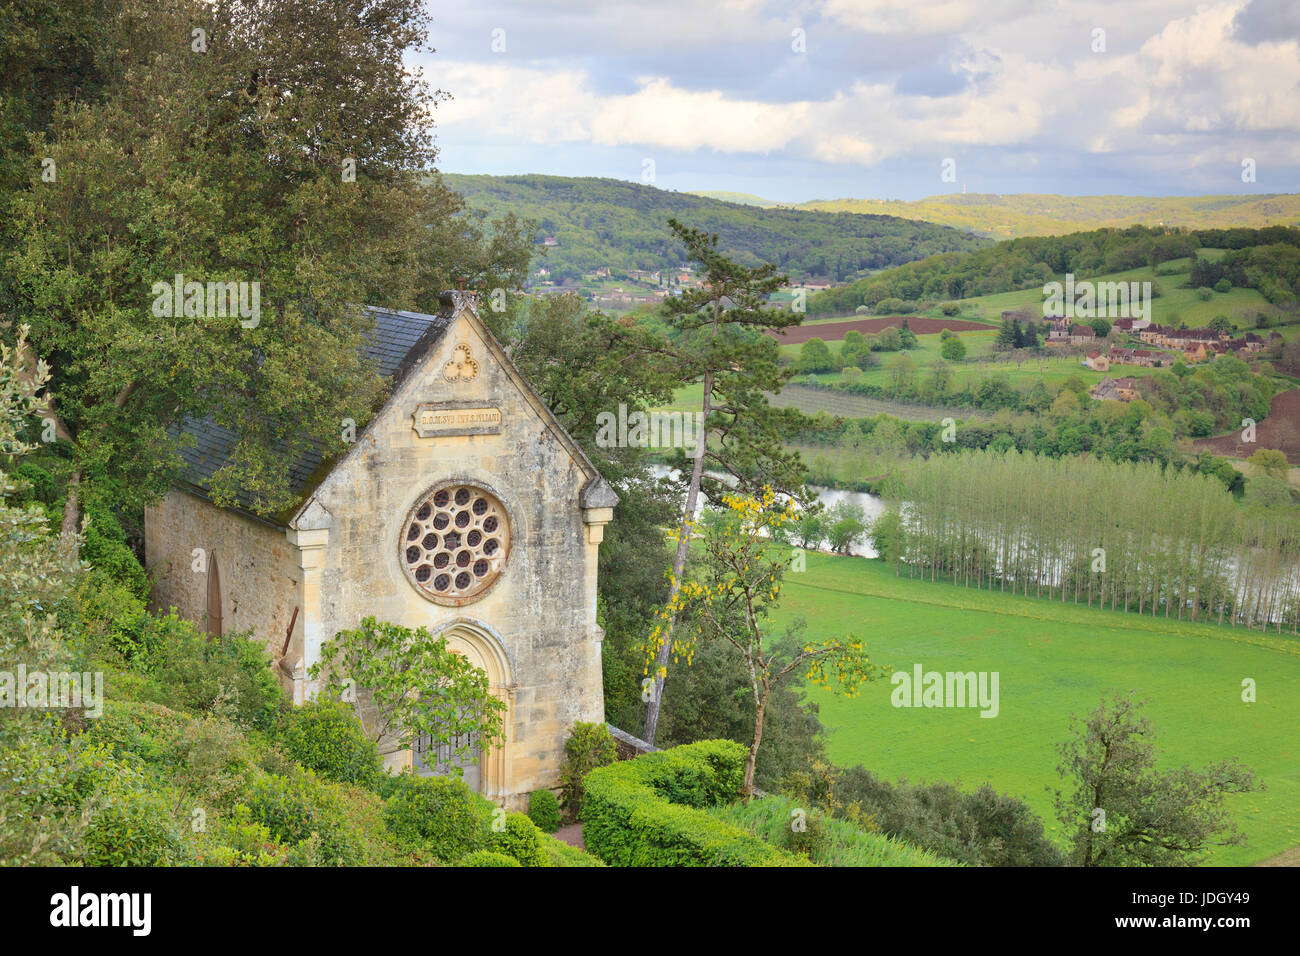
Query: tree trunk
{"points": [[72, 509], [752, 760], [679, 568]]}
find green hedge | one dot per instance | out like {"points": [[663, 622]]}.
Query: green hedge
{"points": [[544, 810], [559, 853], [828, 842], [646, 812], [487, 858]]}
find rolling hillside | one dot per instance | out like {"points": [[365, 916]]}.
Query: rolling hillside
{"points": [[608, 223], [1012, 216]]}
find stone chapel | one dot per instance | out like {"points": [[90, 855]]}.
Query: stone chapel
{"points": [[463, 506]]}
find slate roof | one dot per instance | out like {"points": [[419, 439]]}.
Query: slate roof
{"points": [[395, 344]]}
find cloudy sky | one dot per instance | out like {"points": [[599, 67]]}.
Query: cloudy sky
{"points": [[815, 99]]}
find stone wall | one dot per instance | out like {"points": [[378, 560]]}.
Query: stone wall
{"points": [[259, 578]]}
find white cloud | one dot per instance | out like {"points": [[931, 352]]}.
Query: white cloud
{"points": [[1171, 78], [918, 17]]}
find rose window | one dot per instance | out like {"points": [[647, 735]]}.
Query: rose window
{"points": [[455, 542]]}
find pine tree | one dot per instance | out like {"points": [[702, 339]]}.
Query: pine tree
{"points": [[717, 338]]}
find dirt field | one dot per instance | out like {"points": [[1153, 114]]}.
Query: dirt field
{"points": [[834, 331], [1281, 430]]}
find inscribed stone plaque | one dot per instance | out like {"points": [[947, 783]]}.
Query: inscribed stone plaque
{"points": [[434, 419]]}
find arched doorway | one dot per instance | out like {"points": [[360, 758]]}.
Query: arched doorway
{"points": [[489, 775]]}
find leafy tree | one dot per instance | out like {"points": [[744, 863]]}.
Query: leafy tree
{"points": [[417, 685], [1123, 811], [39, 824], [853, 344], [1269, 462], [906, 337], [1100, 327], [815, 356], [244, 154], [1066, 404], [712, 699], [941, 379], [1268, 491], [848, 521], [902, 372], [1220, 323], [716, 338], [733, 595], [953, 349], [887, 340], [887, 533], [809, 527]]}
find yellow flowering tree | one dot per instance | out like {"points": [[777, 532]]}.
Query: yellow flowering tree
{"points": [[731, 595]]}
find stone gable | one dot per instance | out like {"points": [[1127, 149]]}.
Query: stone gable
{"points": [[461, 416]]}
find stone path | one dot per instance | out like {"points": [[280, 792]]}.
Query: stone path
{"points": [[572, 835], [1290, 858]]}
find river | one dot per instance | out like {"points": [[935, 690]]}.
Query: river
{"points": [[830, 497]]}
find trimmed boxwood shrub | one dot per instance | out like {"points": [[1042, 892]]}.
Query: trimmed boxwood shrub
{"points": [[519, 839], [645, 812], [825, 841], [440, 812], [559, 853], [544, 810], [487, 858], [589, 746], [327, 737]]}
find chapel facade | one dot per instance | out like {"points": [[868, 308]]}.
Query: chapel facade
{"points": [[462, 507]]}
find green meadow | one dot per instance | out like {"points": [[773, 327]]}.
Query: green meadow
{"points": [[1053, 660], [1238, 305]]}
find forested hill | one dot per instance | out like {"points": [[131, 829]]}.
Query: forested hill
{"points": [[1026, 214], [621, 225], [1264, 259]]}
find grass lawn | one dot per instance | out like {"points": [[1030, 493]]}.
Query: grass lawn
{"points": [[1053, 659], [1172, 299], [1052, 370]]}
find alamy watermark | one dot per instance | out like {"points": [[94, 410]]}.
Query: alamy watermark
{"points": [[1096, 300], [922, 688], [650, 430], [196, 300], [44, 689]]}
